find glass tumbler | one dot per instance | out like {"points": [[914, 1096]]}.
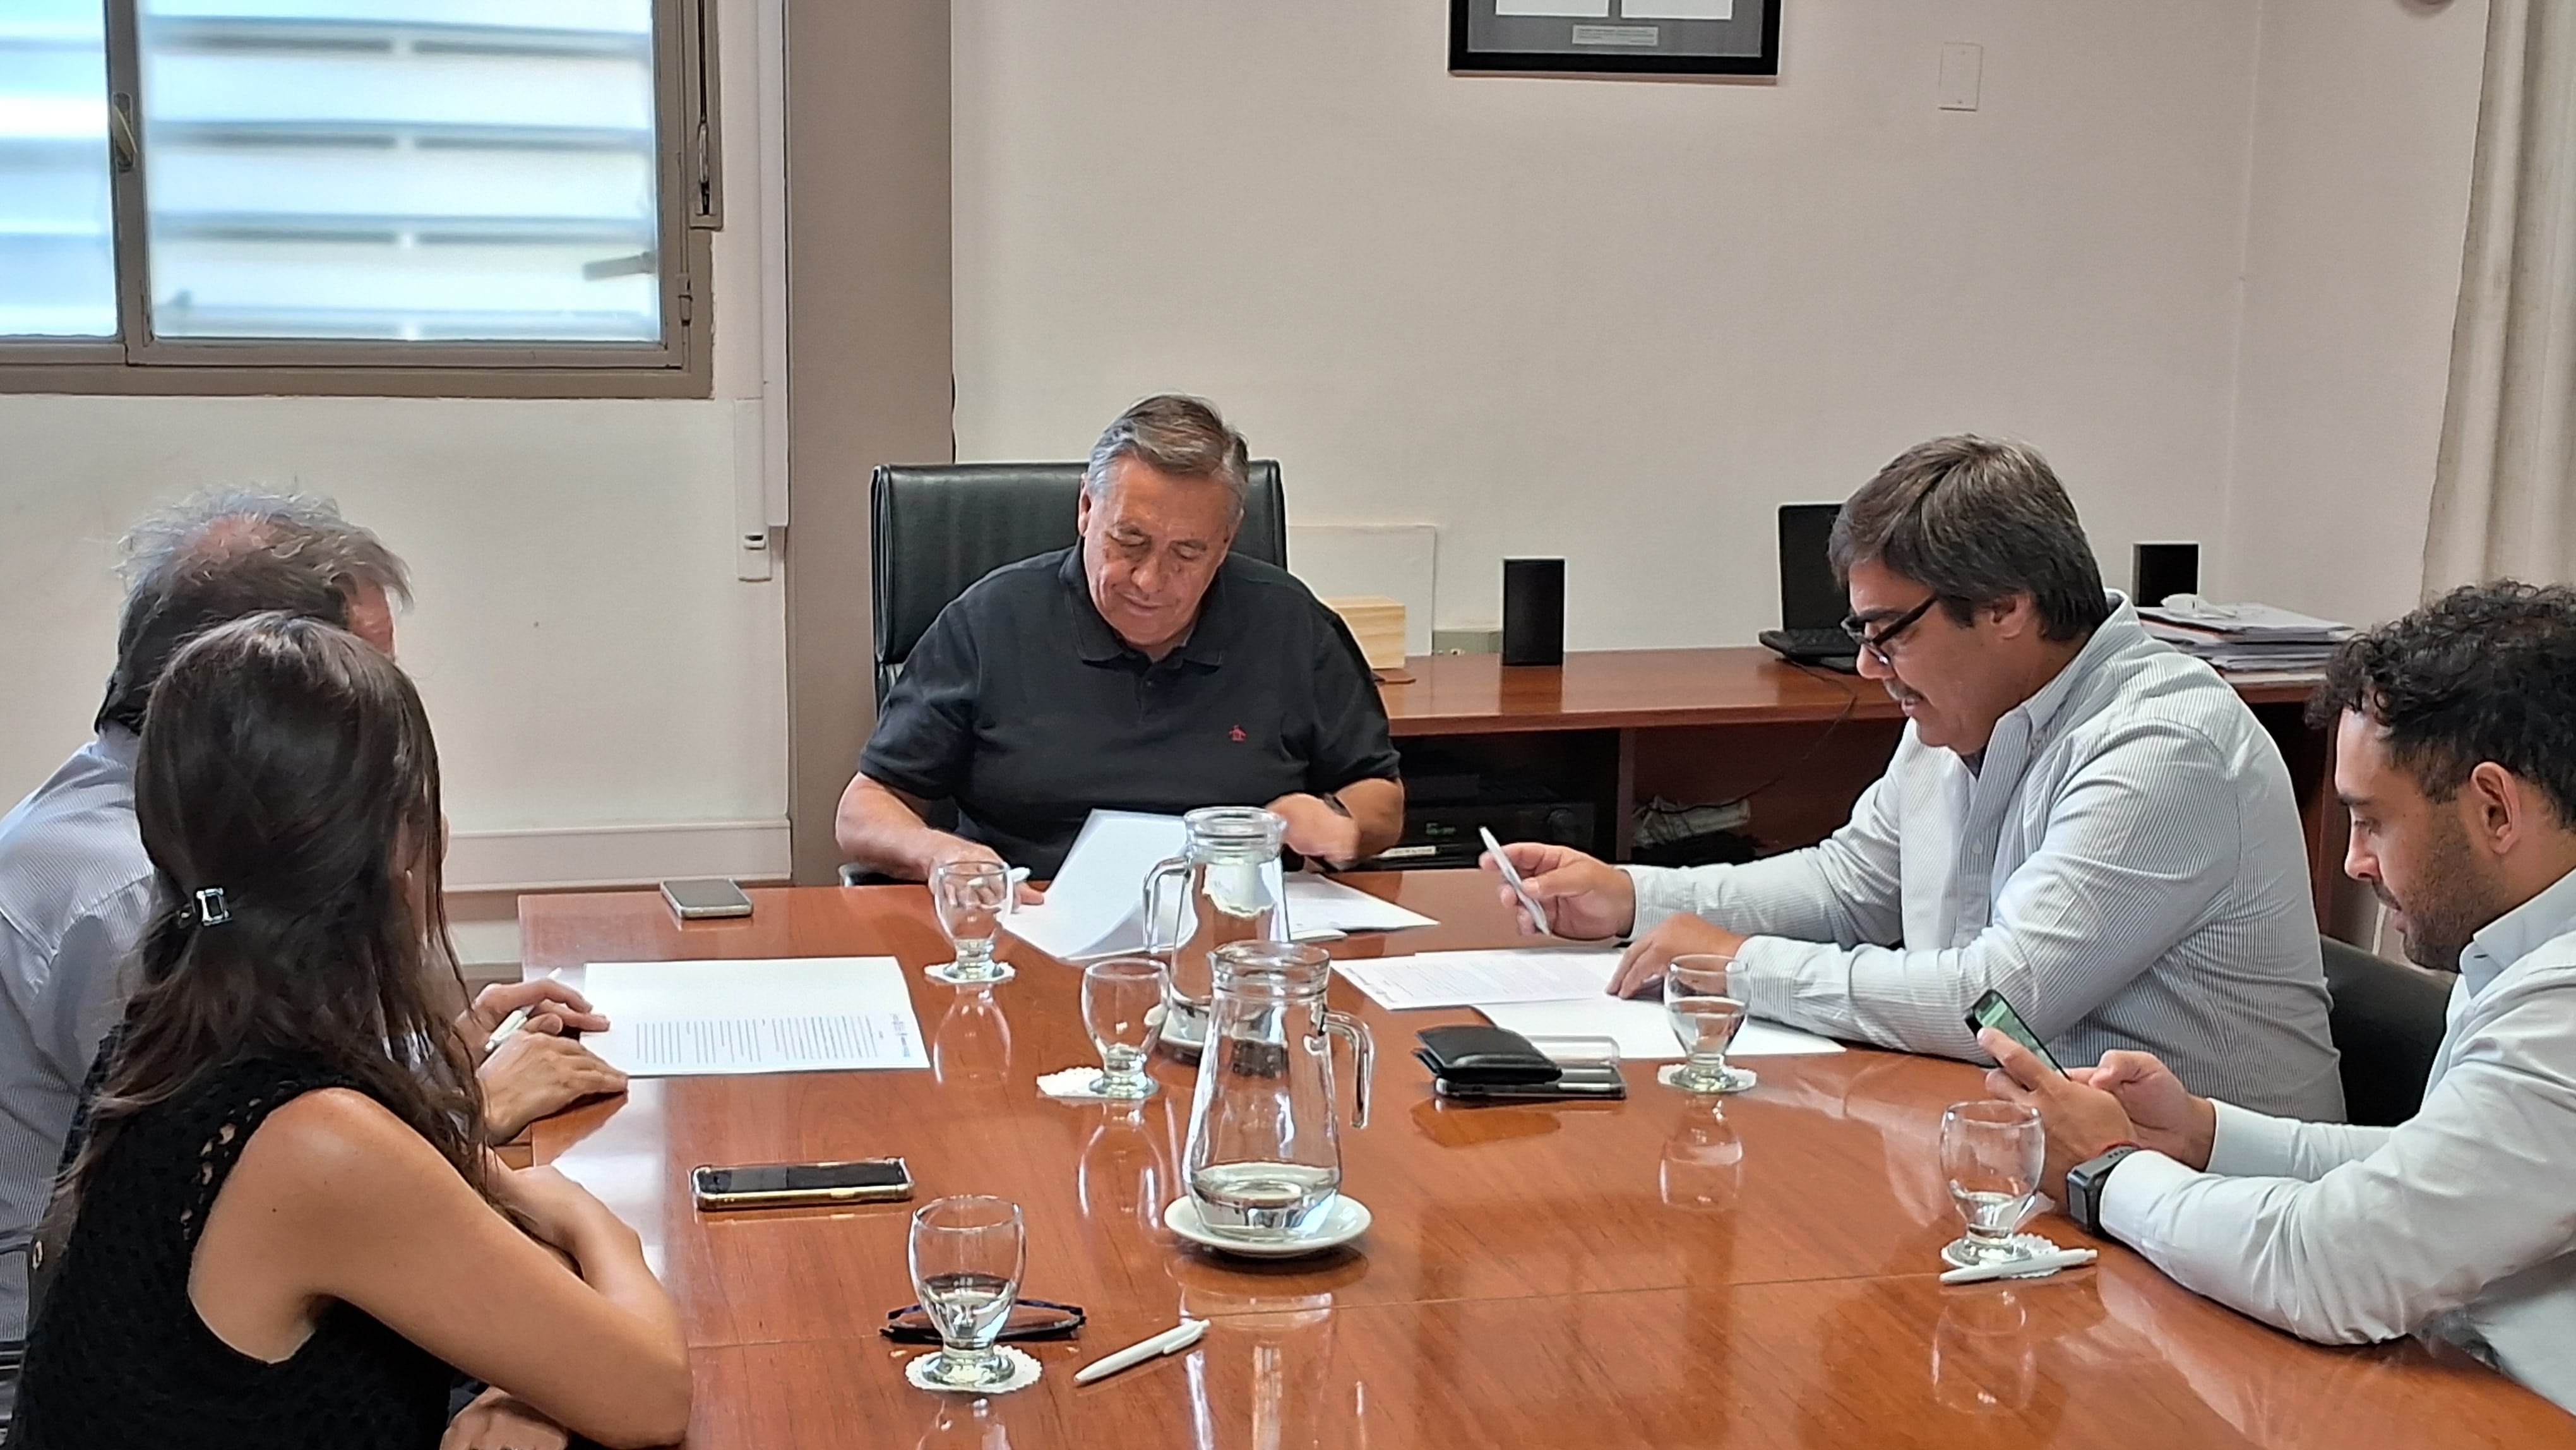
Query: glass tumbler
{"points": [[1122, 1008], [971, 897], [1992, 1154], [967, 1256], [1704, 999]]}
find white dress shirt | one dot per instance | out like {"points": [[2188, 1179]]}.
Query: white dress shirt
{"points": [[77, 894], [2124, 864], [2459, 1224]]}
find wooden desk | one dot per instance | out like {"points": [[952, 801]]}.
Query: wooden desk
{"points": [[1695, 726], [1662, 1271]]}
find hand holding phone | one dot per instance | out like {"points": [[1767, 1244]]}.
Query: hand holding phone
{"points": [[1993, 1011]]}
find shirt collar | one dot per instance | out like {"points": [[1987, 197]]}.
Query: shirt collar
{"points": [[1100, 645], [2112, 636], [117, 745], [2519, 932]]}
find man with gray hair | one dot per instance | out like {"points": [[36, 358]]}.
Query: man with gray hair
{"points": [[1147, 668], [78, 893], [2077, 818]]}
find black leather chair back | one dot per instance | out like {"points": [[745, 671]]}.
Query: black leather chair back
{"points": [[940, 527], [2387, 1021]]}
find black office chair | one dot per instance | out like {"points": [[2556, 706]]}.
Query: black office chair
{"points": [[2387, 1021], [939, 527]]}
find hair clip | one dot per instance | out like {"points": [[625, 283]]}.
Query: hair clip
{"points": [[208, 909]]}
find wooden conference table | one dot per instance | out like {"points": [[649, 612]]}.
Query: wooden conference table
{"points": [[1667, 1271]]}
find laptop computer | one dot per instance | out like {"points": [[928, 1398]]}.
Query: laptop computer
{"points": [[1812, 602]]}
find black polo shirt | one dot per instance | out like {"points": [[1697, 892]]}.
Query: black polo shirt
{"points": [[1024, 707]]}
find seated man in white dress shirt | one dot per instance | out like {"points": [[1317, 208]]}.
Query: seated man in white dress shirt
{"points": [[2456, 752], [2076, 817]]}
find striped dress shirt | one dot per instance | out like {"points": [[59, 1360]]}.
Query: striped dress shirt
{"points": [[2458, 1224], [77, 894], [2124, 864]]}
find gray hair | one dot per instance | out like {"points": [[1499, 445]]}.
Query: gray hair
{"points": [[216, 522], [1977, 520], [224, 554], [1178, 435]]}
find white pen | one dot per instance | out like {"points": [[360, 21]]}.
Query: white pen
{"points": [[2034, 1267], [1512, 878], [1179, 1337], [502, 1033]]}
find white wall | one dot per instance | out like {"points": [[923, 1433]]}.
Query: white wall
{"points": [[1614, 320], [586, 652], [2366, 121]]}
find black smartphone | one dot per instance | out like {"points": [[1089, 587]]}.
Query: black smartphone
{"points": [[794, 1185], [1581, 1083], [1993, 1011]]}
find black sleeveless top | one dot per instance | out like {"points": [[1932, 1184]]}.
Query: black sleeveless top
{"points": [[117, 1356]]}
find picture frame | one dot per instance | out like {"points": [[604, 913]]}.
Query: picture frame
{"points": [[1615, 37]]}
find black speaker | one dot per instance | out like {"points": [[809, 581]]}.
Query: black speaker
{"points": [[2157, 571], [1533, 611]]}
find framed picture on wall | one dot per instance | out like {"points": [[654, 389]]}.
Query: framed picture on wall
{"points": [[1616, 37]]}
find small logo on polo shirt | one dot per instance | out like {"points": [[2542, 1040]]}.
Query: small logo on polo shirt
{"points": [[1236, 735]]}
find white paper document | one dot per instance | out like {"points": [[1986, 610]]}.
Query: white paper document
{"points": [[1572, 9], [1474, 979], [1318, 905], [1642, 1030], [801, 1014], [1096, 905]]}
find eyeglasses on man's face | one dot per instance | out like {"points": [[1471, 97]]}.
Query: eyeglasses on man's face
{"points": [[1880, 642]]}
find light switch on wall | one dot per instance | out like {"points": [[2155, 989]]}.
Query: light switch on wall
{"points": [[1962, 66]]}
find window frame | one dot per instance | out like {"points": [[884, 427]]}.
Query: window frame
{"points": [[688, 164]]}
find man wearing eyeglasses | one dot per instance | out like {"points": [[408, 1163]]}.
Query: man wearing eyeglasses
{"points": [[2076, 817]]}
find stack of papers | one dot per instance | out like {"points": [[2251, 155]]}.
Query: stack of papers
{"points": [[1096, 905], [2246, 637], [1553, 992], [802, 1014]]}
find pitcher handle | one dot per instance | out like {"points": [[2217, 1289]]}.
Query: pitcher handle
{"points": [[1154, 945], [1363, 1060]]}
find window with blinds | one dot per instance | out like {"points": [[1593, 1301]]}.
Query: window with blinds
{"points": [[407, 183]]}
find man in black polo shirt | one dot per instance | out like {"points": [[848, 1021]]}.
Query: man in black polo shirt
{"points": [[1146, 668]]}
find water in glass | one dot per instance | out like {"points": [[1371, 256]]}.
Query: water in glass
{"points": [[971, 898], [1122, 1008], [967, 1255], [1224, 893], [1703, 1000], [1991, 1153]]}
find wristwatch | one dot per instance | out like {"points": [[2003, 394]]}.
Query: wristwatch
{"points": [[2084, 1184]]}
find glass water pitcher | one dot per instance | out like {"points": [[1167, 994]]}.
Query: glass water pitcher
{"points": [[1265, 1156], [1227, 884]]}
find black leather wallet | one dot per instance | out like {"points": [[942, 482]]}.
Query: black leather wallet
{"points": [[1477, 1056]]}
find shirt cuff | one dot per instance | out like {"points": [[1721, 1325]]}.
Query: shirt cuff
{"points": [[1662, 893], [2248, 1144], [2136, 1190]]}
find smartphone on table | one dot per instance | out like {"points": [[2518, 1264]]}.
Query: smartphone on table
{"points": [[1993, 1011], [801, 1185], [705, 896]]}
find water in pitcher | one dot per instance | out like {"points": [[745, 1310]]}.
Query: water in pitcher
{"points": [[1263, 1199]]}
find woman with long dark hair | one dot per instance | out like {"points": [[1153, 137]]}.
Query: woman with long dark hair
{"points": [[287, 1229]]}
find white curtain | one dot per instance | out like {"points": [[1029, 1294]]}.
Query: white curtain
{"points": [[2504, 487]]}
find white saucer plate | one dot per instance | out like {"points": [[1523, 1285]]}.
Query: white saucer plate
{"points": [[1346, 1219]]}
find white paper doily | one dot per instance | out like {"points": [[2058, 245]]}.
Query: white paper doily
{"points": [[1073, 1085], [1024, 1373]]}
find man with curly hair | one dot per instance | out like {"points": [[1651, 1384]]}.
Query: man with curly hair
{"points": [[2456, 753]]}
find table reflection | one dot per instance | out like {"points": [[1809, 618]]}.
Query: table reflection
{"points": [[971, 1047], [964, 1423], [1703, 1164]]}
